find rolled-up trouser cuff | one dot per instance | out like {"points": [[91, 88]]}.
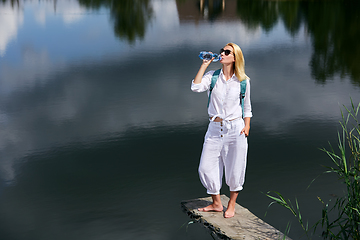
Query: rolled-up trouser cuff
{"points": [[213, 193], [236, 189]]}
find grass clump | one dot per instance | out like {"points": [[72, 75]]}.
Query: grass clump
{"points": [[346, 165]]}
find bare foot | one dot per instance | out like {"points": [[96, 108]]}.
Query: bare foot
{"points": [[230, 212], [211, 208]]}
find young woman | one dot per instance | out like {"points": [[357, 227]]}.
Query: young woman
{"points": [[225, 145]]}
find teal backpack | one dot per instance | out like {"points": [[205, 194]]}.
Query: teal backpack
{"points": [[214, 78]]}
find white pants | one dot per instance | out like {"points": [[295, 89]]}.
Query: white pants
{"points": [[223, 147]]}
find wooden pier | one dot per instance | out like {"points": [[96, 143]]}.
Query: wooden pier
{"points": [[244, 225]]}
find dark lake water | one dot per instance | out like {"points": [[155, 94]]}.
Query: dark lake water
{"points": [[100, 134]]}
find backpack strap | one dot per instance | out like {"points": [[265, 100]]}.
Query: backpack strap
{"points": [[214, 78], [242, 95]]}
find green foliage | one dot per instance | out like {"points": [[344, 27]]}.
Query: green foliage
{"points": [[347, 223], [346, 165], [295, 211], [187, 225]]}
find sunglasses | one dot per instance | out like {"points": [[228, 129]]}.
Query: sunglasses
{"points": [[227, 52]]}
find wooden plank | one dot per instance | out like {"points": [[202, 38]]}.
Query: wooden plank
{"points": [[244, 225]]}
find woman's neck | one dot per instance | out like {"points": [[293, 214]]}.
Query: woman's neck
{"points": [[228, 71]]}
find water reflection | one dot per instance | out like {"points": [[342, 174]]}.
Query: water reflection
{"points": [[206, 10], [64, 93], [130, 18], [211, 8], [12, 2], [258, 13], [10, 20], [83, 84], [333, 28]]}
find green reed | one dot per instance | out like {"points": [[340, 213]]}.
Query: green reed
{"points": [[346, 165]]}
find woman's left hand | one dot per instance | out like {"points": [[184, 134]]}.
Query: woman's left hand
{"points": [[245, 131]]}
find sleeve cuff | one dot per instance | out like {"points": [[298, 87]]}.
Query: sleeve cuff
{"points": [[196, 87]]}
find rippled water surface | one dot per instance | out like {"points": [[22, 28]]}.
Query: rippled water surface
{"points": [[100, 134]]}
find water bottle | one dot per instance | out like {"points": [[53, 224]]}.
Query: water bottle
{"points": [[208, 56]]}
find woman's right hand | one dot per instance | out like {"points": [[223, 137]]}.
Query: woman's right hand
{"points": [[207, 62]]}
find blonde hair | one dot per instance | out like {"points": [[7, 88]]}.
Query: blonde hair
{"points": [[239, 64]]}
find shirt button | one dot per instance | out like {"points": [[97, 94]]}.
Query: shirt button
{"points": [[221, 136], [221, 129]]}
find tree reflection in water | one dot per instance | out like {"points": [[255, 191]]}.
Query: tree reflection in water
{"points": [[211, 8], [258, 13], [12, 2], [332, 25], [130, 17], [335, 31]]}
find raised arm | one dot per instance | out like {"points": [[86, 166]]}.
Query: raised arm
{"points": [[202, 70]]}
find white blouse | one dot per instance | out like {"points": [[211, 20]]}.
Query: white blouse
{"points": [[225, 96]]}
